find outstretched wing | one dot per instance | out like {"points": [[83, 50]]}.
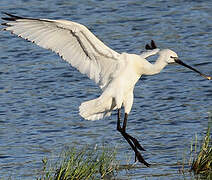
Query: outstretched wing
{"points": [[70, 40]]}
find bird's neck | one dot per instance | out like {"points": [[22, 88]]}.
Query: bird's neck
{"points": [[157, 67]]}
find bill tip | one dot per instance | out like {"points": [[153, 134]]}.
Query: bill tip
{"points": [[207, 77]]}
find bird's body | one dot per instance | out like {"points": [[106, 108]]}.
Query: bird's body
{"points": [[118, 92], [115, 73]]}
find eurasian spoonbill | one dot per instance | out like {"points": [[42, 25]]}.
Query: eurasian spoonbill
{"points": [[115, 73]]}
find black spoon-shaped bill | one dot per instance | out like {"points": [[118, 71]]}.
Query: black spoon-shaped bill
{"points": [[183, 64]]}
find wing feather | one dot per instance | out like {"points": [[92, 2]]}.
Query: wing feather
{"points": [[70, 40]]}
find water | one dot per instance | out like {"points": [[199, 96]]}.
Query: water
{"points": [[40, 94]]}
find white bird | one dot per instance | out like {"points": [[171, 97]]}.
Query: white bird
{"points": [[115, 73]]}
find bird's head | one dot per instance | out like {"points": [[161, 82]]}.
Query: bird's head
{"points": [[171, 57], [168, 55]]}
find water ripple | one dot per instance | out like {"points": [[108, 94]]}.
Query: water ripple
{"points": [[40, 93]]}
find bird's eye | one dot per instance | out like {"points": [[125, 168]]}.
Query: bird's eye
{"points": [[173, 57]]}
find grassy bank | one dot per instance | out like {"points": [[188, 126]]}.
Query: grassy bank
{"points": [[199, 164], [202, 163], [86, 163]]}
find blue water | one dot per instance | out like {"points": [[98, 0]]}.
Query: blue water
{"points": [[40, 94]]}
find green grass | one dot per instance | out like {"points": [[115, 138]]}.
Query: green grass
{"points": [[200, 159], [86, 163], [202, 164]]}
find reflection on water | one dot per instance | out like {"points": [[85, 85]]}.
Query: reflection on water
{"points": [[40, 94]]}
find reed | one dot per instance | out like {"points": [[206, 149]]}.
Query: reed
{"points": [[202, 164], [200, 159]]}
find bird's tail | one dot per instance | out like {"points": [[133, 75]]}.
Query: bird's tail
{"points": [[96, 109]]}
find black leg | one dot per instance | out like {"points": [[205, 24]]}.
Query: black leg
{"points": [[125, 122], [131, 141], [135, 141], [119, 119]]}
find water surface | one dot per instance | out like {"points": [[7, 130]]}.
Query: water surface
{"points": [[40, 94]]}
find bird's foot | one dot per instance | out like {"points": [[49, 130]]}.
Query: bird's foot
{"points": [[140, 158], [134, 140], [135, 146], [136, 143]]}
